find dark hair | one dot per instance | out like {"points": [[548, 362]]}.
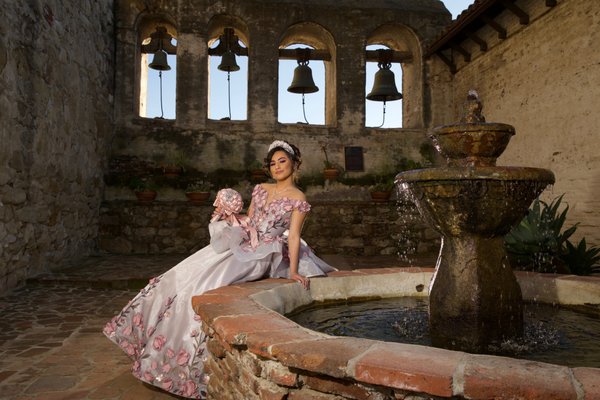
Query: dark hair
{"points": [[296, 157]]}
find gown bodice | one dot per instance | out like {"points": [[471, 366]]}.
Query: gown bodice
{"points": [[272, 219]]}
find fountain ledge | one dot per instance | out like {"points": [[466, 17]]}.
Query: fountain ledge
{"points": [[257, 353]]}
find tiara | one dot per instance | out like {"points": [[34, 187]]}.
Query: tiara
{"points": [[283, 145]]}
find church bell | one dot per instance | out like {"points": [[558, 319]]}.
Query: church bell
{"points": [[303, 80], [228, 62], [384, 86], [159, 61]]}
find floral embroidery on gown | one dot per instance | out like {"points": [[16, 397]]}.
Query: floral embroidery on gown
{"points": [[159, 330]]}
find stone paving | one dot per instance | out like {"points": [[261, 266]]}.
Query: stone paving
{"points": [[51, 341]]}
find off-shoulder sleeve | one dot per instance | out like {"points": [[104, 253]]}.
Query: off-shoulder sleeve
{"points": [[302, 206], [257, 189]]}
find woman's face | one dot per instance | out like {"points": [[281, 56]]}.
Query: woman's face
{"points": [[281, 166]]}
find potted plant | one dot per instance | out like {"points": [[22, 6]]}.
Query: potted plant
{"points": [[381, 191], [144, 189], [198, 192], [174, 164], [257, 172], [330, 171]]}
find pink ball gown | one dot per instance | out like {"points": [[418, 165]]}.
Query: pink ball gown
{"points": [[159, 330]]}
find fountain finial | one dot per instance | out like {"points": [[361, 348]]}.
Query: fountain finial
{"points": [[473, 108]]}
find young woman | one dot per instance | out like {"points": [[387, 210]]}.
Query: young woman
{"points": [[158, 328]]}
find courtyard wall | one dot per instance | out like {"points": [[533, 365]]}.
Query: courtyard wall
{"points": [[360, 228], [56, 82], [545, 80]]}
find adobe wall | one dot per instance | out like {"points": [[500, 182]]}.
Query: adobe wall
{"points": [[56, 63], [545, 80]]}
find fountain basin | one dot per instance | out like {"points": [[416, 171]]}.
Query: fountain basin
{"points": [[255, 350], [483, 200], [475, 300], [472, 144]]}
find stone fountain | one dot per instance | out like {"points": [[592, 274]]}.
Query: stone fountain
{"points": [[474, 298]]}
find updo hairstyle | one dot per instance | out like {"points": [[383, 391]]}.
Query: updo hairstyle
{"points": [[296, 156]]}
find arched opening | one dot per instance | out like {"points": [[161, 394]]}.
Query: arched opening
{"points": [[227, 69], [407, 68], [158, 66], [298, 107], [309, 45], [385, 111]]}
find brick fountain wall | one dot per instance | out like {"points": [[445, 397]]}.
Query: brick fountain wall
{"points": [[257, 353]]}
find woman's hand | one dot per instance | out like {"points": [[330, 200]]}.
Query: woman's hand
{"points": [[303, 280]]}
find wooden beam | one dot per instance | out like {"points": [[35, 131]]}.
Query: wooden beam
{"points": [[219, 50], [446, 61], [371, 55], [466, 55], [473, 36], [550, 3], [398, 56], [159, 39], [523, 16], [497, 27], [290, 54], [153, 48], [228, 41]]}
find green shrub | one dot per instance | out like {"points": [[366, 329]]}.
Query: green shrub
{"points": [[536, 243]]}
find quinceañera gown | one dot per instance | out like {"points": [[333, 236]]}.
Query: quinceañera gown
{"points": [[159, 330]]}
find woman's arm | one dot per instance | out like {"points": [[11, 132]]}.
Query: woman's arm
{"points": [[294, 247]]}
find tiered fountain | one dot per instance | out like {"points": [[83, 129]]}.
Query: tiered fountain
{"points": [[474, 298]]}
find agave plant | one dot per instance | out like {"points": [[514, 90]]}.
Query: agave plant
{"points": [[538, 242], [580, 259]]}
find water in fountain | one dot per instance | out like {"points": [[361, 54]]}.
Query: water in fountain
{"points": [[551, 334]]}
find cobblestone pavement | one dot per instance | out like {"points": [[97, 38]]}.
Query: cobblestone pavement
{"points": [[51, 341]]}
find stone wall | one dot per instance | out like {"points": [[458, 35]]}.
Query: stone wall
{"points": [[213, 144], [56, 69], [349, 228], [545, 80]]}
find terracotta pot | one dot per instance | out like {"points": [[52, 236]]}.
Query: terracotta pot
{"points": [[171, 171], [381, 196], [197, 197], [145, 196], [331, 174]]}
